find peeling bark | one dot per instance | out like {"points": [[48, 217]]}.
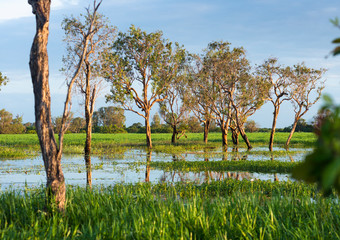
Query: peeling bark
{"points": [[40, 79]]}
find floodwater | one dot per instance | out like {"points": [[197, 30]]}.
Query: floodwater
{"points": [[131, 167]]}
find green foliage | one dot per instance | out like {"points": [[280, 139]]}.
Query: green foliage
{"points": [[323, 165], [336, 50], [10, 125], [109, 116], [3, 80]]}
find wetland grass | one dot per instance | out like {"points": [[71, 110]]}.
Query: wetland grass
{"points": [[163, 211], [222, 166]]}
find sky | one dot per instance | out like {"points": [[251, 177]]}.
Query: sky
{"points": [[292, 31]]}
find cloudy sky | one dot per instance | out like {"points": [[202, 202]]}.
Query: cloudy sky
{"points": [[293, 31]]}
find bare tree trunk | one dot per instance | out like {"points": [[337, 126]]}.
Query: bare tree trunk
{"points": [[234, 136], [148, 129], [224, 131], [174, 134], [40, 74], [245, 138], [206, 130], [272, 133], [88, 153], [292, 132], [88, 118], [147, 171]]}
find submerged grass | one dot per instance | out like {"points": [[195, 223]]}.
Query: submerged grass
{"points": [[15, 153], [221, 166], [144, 211]]}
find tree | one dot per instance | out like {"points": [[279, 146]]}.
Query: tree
{"points": [[217, 62], [305, 90], [39, 73], [3, 80], [92, 33], [278, 76], [51, 151], [109, 116], [77, 124], [140, 69], [194, 125], [173, 109], [10, 125], [197, 95], [156, 121], [251, 126]]}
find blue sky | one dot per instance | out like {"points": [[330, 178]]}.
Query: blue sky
{"points": [[292, 31]]}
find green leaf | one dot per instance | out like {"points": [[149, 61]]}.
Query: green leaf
{"points": [[330, 173], [336, 51], [337, 40]]}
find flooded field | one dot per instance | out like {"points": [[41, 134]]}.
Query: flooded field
{"points": [[132, 166]]}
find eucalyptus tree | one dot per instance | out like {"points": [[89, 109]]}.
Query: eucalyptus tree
{"points": [[305, 90], [279, 78], [197, 95], [216, 64], [3, 80], [51, 151], [249, 94], [236, 93], [140, 70], [90, 31], [173, 109]]}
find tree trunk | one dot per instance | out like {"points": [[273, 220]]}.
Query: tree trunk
{"points": [[87, 155], [206, 130], [40, 74], [88, 117], [224, 131], [147, 171], [245, 138], [148, 130], [234, 136], [292, 132], [272, 133], [174, 134]]}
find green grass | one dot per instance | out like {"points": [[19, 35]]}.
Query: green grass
{"points": [[117, 143], [221, 210], [221, 166]]}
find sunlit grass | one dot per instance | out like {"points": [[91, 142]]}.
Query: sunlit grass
{"points": [[221, 210]]}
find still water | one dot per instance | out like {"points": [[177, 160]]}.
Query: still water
{"points": [[131, 167]]}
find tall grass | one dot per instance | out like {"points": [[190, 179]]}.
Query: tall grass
{"points": [[146, 211]]}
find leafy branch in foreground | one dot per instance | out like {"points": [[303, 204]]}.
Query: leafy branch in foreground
{"points": [[322, 166]]}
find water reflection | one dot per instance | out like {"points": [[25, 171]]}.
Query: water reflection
{"points": [[147, 171], [134, 167]]}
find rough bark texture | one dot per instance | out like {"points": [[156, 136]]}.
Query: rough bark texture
{"points": [[224, 138], [174, 134], [148, 130], [88, 117], [40, 75], [88, 152], [206, 130], [272, 133], [234, 136]]}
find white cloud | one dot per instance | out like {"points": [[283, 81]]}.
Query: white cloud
{"points": [[14, 9]]}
